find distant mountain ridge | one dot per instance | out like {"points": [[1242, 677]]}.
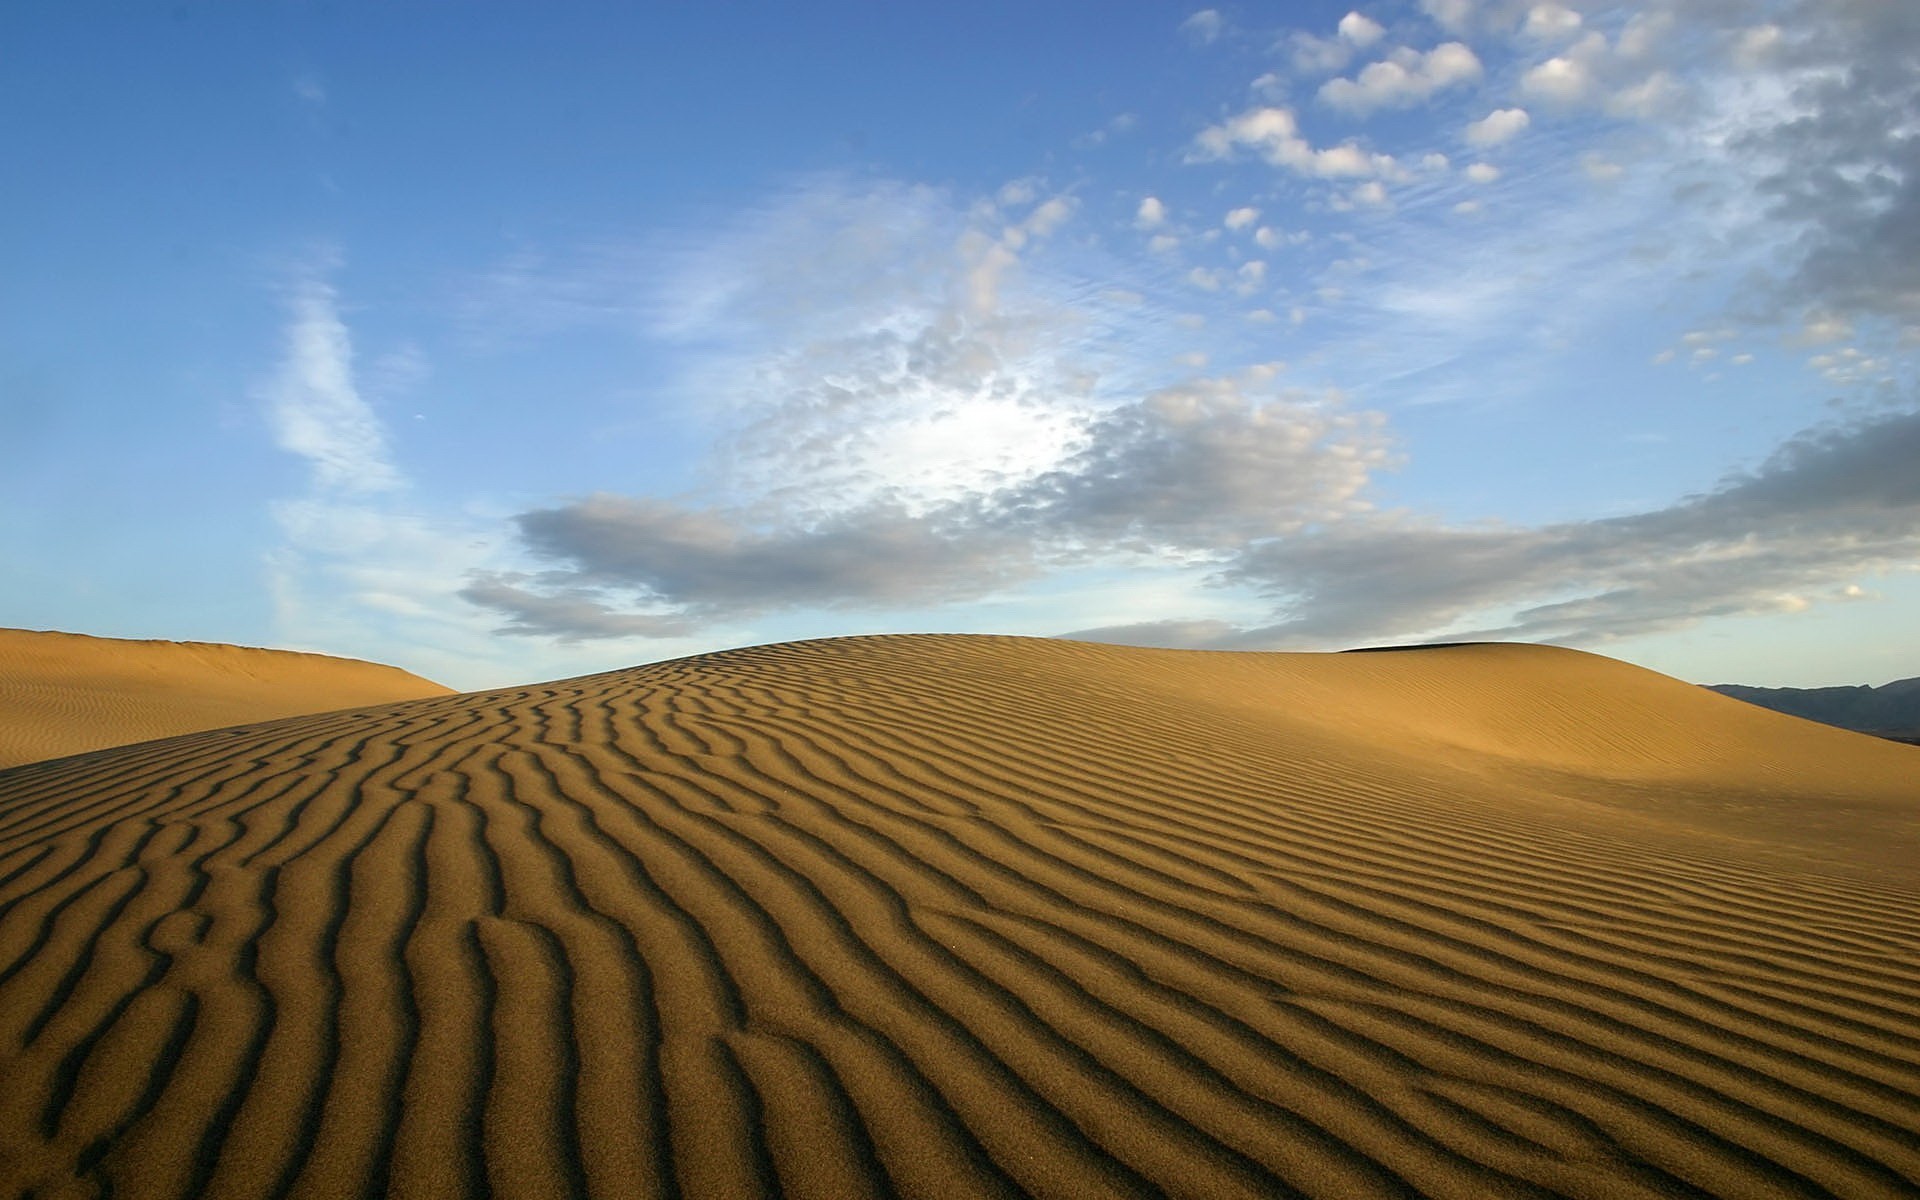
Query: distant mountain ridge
{"points": [[1891, 710]]}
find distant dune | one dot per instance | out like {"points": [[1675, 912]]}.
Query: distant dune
{"points": [[969, 916], [63, 693]]}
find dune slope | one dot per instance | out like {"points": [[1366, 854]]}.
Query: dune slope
{"points": [[937, 916], [66, 693]]}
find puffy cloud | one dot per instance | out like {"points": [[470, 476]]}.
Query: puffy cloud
{"points": [[1454, 16], [1360, 30], [1371, 194], [1500, 125], [1405, 78], [1550, 22], [1150, 213], [1562, 80], [1203, 26], [1483, 172], [1274, 134], [1207, 279], [1240, 218]]}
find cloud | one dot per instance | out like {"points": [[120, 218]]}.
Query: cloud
{"points": [[1360, 30], [1204, 26], [1561, 80], [1550, 22], [1454, 16], [1274, 134], [312, 405], [1402, 80], [570, 614], [1483, 172], [1500, 125], [1836, 501], [1150, 214], [1842, 163], [1180, 474], [701, 563], [1240, 218]]}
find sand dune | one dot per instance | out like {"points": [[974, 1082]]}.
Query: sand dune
{"points": [[934, 916], [65, 693]]}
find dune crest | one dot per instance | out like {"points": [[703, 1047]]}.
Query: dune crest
{"points": [[67, 693], [971, 916]]}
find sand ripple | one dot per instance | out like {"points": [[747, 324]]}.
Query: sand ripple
{"points": [[975, 917]]}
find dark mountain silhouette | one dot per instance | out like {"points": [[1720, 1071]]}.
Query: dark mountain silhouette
{"points": [[1891, 710]]}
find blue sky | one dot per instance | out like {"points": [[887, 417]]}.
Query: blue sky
{"points": [[513, 342]]}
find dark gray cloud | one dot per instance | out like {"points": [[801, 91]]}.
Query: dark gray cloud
{"points": [[567, 614], [1845, 155], [1203, 467], [704, 563], [1832, 503], [1193, 472]]}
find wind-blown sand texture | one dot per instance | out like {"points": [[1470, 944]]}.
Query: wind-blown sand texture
{"points": [[957, 916], [65, 693]]}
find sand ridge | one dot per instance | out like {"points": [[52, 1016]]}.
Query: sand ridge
{"points": [[945, 916], [67, 693]]}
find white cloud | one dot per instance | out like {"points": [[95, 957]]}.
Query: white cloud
{"points": [[1551, 22], [1599, 168], [1561, 80], [1500, 125], [1481, 172], [1454, 16], [1016, 193], [1274, 134], [1048, 217], [1757, 47], [1240, 218], [1203, 26], [1150, 213], [313, 405], [1648, 99], [1206, 278], [1371, 194], [1406, 78], [1163, 243], [1360, 30], [1467, 208]]}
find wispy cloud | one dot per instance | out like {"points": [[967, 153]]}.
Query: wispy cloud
{"points": [[312, 404], [1837, 503]]}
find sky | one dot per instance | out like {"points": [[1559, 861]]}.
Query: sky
{"points": [[514, 342]]}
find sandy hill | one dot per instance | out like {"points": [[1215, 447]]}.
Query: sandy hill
{"points": [[955, 917], [64, 693]]}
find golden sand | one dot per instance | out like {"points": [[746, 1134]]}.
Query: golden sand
{"points": [[65, 693], [946, 916]]}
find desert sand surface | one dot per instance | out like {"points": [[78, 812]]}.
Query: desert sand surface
{"points": [[972, 916], [66, 693]]}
